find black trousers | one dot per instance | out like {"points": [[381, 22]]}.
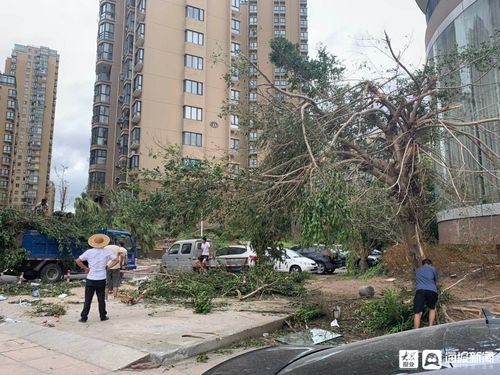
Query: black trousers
{"points": [[97, 287]]}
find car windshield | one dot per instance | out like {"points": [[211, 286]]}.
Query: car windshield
{"points": [[293, 254]]}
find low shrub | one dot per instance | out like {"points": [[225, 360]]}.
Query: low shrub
{"points": [[309, 311]]}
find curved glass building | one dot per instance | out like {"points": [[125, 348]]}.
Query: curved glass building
{"points": [[452, 25]]}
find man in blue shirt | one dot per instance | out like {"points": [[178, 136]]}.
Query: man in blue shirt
{"points": [[427, 281]]}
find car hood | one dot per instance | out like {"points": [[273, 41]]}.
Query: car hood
{"points": [[378, 355], [267, 361]]}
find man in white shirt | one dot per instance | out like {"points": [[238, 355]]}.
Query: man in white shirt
{"points": [[205, 253], [113, 277], [97, 258]]}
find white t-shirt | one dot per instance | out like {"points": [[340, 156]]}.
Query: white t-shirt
{"points": [[97, 260], [205, 248], [117, 250]]}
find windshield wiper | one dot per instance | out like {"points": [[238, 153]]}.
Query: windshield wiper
{"points": [[490, 318]]}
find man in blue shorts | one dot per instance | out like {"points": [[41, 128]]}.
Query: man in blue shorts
{"points": [[427, 281]]}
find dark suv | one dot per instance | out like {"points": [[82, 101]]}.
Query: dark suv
{"points": [[321, 255]]}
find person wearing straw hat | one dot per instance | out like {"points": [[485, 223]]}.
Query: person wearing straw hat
{"points": [[98, 259]]}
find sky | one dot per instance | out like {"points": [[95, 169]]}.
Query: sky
{"points": [[346, 28]]}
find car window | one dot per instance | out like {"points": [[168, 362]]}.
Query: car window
{"points": [[174, 249], [236, 250], [292, 254], [222, 251], [198, 246], [186, 248]]}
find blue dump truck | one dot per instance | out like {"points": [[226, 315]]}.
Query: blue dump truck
{"points": [[47, 260]]}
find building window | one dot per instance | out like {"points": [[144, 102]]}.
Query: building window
{"points": [[253, 57], [11, 104], [303, 47], [139, 56], [252, 8], [235, 26], [191, 162], [303, 35], [252, 163], [97, 180], [252, 45], [10, 115], [102, 93], [137, 108], [5, 160], [252, 136], [193, 87], [279, 33], [98, 157], [134, 162], [5, 172], [252, 32], [7, 149], [235, 120], [12, 93], [191, 139], [193, 62], [303, 23], [9, 126], [4, 183], [252, 83], [106, 31], [101, 114], [195, 13], [107, 11], [235, 48], [193, 113], [105, 51], [252, 20], [235, 96], [141, 6], [252, 71], [141, 31], [136, 136], [235, 4], [99, 136], [252, 96], [234, 144], [138, 82], [194, 37], [7, 137]]}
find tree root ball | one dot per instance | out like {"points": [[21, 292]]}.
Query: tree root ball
{"points": [[367, 291]]}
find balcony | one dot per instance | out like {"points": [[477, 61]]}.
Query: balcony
{"points": [[106, 36], [138, 66], [136, 117], [134, 144], [137, 92]]}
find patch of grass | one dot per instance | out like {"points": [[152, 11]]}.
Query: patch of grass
{"points": [[372, 272], [48, 309], [202, 358], [389, 314], [309, 311], [223, 351]]}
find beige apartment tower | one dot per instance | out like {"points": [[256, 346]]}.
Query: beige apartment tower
{"points": [[28, 90], [160, 68]]}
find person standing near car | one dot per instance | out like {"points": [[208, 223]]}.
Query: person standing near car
{"points": [[113, 276], [205, 253], [98, 259], [427, 282]]}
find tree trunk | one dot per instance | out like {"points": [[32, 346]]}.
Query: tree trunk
{"points": [[413, 236]]}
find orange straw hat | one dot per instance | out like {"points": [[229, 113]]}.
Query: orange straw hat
{"points": [[99, 241]]}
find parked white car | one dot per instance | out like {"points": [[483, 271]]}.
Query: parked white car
{"points": [[236, 257], [292, 261]]}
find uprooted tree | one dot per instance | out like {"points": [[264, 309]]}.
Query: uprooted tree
{"points": [[381, 132]]}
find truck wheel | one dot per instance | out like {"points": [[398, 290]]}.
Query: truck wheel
{"points": [[51, 272]]}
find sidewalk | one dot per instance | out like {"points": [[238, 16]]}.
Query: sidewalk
{"points": [[23, 357], [20, 357]]}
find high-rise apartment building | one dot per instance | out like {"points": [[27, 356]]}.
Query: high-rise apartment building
{"points": [[27, 105], [160, 79]]}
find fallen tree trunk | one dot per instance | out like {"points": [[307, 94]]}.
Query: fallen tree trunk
{"points": [[242, 298]]}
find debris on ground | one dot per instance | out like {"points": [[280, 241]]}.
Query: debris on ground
{"points": [[198, 289], [366, 291], [145, 366], [2, 297], [44, 289], [49, 309], [308, 337]]}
